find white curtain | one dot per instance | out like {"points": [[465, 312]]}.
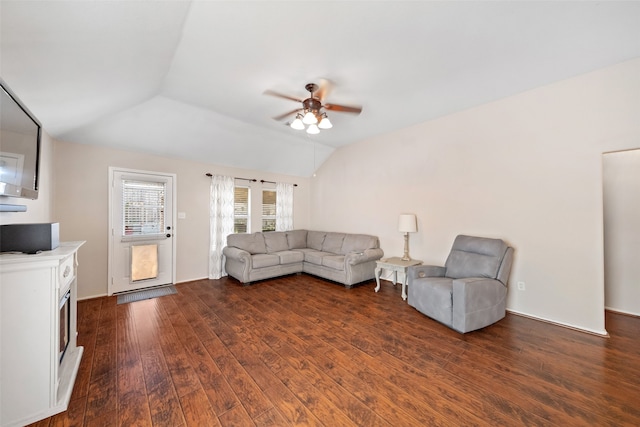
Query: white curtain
{"points": [[220, 222], [284, 206]]}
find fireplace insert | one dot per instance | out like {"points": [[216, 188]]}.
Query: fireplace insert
{"points": [[65, 319]]}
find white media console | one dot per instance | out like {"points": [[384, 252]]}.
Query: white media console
{"points": [[39, 355]]}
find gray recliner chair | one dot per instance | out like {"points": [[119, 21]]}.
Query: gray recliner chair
{"points": [[470, 291]]}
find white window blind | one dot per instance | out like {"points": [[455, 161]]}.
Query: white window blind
{"points": [[143, 207], [241, 209], [268, 210]]}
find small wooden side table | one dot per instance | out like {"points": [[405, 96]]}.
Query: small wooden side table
{"points": [[395, 265]]}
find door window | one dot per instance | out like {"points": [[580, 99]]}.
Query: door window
{"points": [[143, 206]]}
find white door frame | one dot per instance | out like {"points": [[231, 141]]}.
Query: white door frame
{"points": [[111, 234]]}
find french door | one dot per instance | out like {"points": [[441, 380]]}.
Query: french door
{"points": [[141, 232]]}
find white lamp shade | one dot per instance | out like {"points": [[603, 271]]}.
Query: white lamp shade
{"points": [[325, 123], [407, 223], [313, 129], [297, 124], [309, 119]]}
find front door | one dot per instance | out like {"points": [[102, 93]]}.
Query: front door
{"points": [[141, 243]]}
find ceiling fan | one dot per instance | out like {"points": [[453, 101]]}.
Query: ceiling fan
{"points": [[312, 114]]}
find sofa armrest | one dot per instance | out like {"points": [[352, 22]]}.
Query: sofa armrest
{"points": [[420, 271], [237, 254], [354, 258]]}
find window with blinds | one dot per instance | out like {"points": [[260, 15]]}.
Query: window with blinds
{"points": [[241, 209], [143, 208], [268, 210]]}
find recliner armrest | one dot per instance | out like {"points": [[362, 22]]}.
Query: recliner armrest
{"points": [[470, 288], [420, 271]]}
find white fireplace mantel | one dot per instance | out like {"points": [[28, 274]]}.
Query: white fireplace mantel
{"points": [[34, 384]]}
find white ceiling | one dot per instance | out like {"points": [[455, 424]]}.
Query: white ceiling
{"points": [[186, 79]]}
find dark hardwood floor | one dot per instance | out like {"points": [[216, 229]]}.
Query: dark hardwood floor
{"points": [[302, 351]]}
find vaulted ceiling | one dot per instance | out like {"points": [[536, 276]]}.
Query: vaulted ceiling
{"points": [[187, 78]]}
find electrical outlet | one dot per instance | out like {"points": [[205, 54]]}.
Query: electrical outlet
{"points": [[521, 286]]}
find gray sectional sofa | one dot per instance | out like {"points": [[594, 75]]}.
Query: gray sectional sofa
{"points": [[341, 257]]}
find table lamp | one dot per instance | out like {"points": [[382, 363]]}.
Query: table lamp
{"points": [[407, 224]]}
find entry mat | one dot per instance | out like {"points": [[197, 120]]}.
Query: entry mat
{"points": [[146, 294]]}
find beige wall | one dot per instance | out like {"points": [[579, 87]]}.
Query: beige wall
{"points": [[527, 169], [39, 210], [622, 231], [81, 206]]}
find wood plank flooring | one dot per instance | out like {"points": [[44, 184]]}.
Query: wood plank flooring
{"points": [[303, 351]]}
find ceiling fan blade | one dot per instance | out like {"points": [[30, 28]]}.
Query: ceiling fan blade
{"points": [[282, 116], [323, 89], [279, 95], [343, 108]]}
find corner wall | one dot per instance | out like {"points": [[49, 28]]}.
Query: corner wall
{"points": [[527, 169], [82, 201]]}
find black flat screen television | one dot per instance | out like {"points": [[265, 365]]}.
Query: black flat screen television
{"points": [[20, 139]]}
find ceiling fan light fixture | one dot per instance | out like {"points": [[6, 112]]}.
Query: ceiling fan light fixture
{"points": [[297, 123], [325, 123], [309, 118], [313, 130], [311, 115]]}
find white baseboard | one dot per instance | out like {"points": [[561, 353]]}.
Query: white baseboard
{"points": [[601, 333], [92, 297]]}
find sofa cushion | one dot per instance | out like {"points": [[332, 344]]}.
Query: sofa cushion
{"points": [[297, 239], [265, 260], [334, 261], [276, 241], [315, 239], [289, 257], [358, 243], [315, 257], [333, 243], [252, 243], [305, 250]]}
